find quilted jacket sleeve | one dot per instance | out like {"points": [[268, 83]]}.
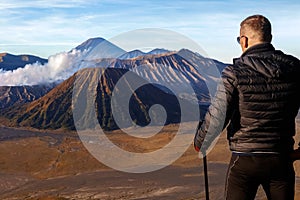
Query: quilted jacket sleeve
{"points": [[219, 113]]}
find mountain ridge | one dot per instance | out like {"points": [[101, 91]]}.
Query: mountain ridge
{"points": [[13, 95], [137, 53], [54, 110], [171, 75], [11, 62]]}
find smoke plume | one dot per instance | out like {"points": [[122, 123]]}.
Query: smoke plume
{"points": [[59, 67]]}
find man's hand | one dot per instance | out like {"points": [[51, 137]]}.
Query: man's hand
{"points": [[197, 144], [196, 147], [295, 155]]}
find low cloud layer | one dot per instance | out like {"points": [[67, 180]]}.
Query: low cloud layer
{"points": [[59, 67]]}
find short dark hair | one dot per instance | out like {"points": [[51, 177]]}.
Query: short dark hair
{"points": [[259, 25]]}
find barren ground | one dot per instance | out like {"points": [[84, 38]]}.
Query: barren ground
{"points": [[53, 165]]}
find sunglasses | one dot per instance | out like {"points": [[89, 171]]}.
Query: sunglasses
{"points": [[238, 39]]}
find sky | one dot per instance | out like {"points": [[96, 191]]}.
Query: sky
{"points": [[45, 28]]}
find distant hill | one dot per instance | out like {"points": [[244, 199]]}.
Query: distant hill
{"points": [[132, 54], [14, 95], [90, 44], [12, 62], [97, 48], [137, 53], [158, 51]]}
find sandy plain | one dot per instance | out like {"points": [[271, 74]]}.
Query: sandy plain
{"points": [[55, 165]]}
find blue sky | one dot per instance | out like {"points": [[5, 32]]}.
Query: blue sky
{"points": [[44, 27]]}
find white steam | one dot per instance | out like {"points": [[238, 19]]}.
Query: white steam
{"points": [[59, 67]]}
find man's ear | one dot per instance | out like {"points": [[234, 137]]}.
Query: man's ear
{"points": [[246, 45]]}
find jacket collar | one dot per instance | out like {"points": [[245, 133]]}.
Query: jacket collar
{"points": [[259, 48], [255, 50]]}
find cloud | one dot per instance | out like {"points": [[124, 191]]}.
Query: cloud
{"points": [[58, 68], [63, 65], [16, 4], [211, 23]]}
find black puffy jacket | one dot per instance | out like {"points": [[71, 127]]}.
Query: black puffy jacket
{"points": [[257, 101]]}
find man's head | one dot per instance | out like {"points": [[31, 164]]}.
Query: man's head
{"points": [[254, 30]]}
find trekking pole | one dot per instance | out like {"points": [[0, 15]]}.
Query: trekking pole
{"points": [[205, 177], [204, 168]]}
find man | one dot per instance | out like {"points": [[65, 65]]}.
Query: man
{"points": [[258, 101]]}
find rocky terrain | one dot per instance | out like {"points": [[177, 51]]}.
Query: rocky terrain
{"points": [[19, 95]]}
